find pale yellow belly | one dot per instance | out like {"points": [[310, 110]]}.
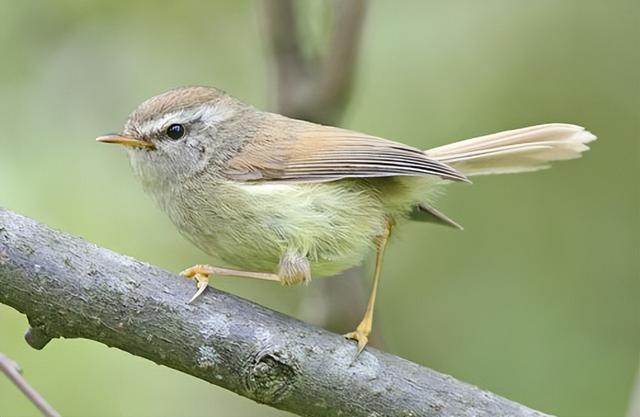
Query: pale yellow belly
{"points": [[333, 224], [250, 226]]}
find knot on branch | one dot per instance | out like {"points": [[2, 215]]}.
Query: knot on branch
{"points": [[37, 336], [271, 375]]}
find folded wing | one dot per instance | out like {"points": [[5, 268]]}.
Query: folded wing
{"points": [[306, 152]]}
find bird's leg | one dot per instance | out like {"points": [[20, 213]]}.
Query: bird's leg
{"points": [[294, 269], [361, 334], [200, 273]]}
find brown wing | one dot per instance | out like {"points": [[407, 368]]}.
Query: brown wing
{"points": [[292, 150]]}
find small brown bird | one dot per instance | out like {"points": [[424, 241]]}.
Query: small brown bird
{"points": [[285, 199]]}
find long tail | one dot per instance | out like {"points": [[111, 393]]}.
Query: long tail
{"points": [[520, 150]]}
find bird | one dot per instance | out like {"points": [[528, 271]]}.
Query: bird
{"points": [[285, 200]]}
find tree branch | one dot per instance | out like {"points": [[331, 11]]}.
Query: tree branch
{"points": [[634, 398], [71, 288], [315, 88], [12, 371]]}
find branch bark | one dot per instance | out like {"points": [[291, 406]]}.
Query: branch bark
{"points": [[71, 288]]}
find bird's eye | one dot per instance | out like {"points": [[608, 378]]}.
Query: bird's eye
{"points": [[175, 131]]}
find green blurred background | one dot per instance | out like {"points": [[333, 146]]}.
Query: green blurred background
{"points": [[537, 300]]}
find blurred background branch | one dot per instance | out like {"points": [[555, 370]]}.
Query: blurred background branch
{"points": [[316, 85], [13, 372], [70, 288], [634, 397]]}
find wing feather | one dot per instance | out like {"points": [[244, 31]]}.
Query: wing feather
{"points": [[294, 150]]}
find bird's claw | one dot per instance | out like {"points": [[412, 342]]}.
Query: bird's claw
{"points": [[361, 337], [201, 275]]}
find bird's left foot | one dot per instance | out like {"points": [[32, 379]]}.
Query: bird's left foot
{"points": [[199, 273]]}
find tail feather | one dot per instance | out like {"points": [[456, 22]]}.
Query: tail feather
{"points": [[527, 149]]}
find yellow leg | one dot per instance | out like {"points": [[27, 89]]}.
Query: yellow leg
{"points": [[361, 334], [200, 273]]}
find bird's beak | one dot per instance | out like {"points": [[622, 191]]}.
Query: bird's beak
{"points": [[126, 140]]}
